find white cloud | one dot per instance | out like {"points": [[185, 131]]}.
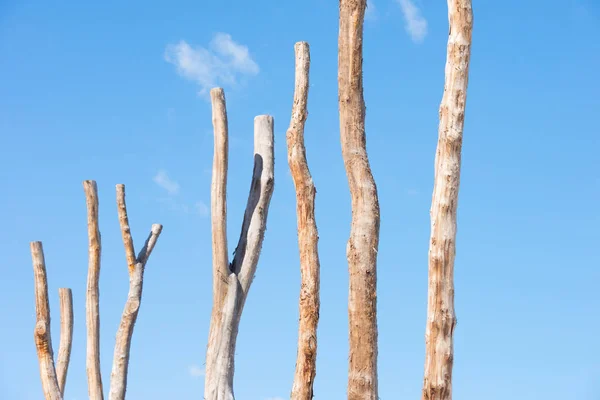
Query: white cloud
{"points": [[163, 180], [222, 63], [195, 371], [371, 12], [416, 25]]}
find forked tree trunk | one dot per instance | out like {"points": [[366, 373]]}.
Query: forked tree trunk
{"points": [[43, 340], [230, 295], [66, 336], [92, 307], [364, 234], [441, 319], [308, 236], [136, 267]]}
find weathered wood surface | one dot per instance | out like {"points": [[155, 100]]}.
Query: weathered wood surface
{"points": [[441, 318], [364, 234], [66, 336], [222, 336], [308, 237], [136, 267], [43, 339], [92, 297]]}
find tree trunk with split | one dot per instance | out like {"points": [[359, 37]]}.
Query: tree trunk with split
{"points": [[441, 318], [231, 282]]}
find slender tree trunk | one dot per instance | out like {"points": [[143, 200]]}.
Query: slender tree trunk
{"points": [[136, 267], [227, 312], [441, 319], [66, 336], [219, 224], [92, 308], [308, 237], [43, 340], [364, 235]]}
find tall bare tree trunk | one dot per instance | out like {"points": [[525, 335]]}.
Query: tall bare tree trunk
{"points": [[92, 307], [136, 267], [231, 282], [364, 234], [43, 339], [441, 319], [66, 336], [308, 236], [219, 224]]}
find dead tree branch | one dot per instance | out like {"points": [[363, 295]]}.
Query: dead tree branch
{"points": [[302, 388], [136, 267], [43, 340], [224, 327], [218, 208], [364, 234], [92, 308], [441, 318], [66, 336]]}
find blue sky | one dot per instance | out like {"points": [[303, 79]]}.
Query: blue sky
{"points": [[114, 91]]}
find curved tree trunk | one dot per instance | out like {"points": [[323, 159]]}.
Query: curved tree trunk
{"points": [[441, 319], [364, 234], [308, 236]]}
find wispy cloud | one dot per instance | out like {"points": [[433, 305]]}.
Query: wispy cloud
{"points": [[172, 200], [195, 371], [371, 12], [221, 64], [412, 192], [163, 180], [415, 23]]}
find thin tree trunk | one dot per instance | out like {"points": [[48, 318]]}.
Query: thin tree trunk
{"points": [[43, 340], [308, 237], [66, 336], [136, 267], [219, 223], [92, 308], [219, 378], [364, 235], [441, 319]]}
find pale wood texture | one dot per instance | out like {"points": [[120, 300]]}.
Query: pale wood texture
{"points": [[362, 246], [136, 267], [441, 318], [92, 308], [220, 370], [66, 336], [218, 198], [43, 340], [308, 237]]}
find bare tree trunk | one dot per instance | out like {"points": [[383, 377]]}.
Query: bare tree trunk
{"points": [[219, 224], [441, 319], [92, 308], [66, 336], [308, 236], [136, 267], [364, 235], [220, 365], [43, 340]]}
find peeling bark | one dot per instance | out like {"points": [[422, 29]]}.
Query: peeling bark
{"points": [[441, 318], [66, 336], [308, 237], [222, 339], [43, 340], [136, 267], [364, 234], [92, 308]]}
